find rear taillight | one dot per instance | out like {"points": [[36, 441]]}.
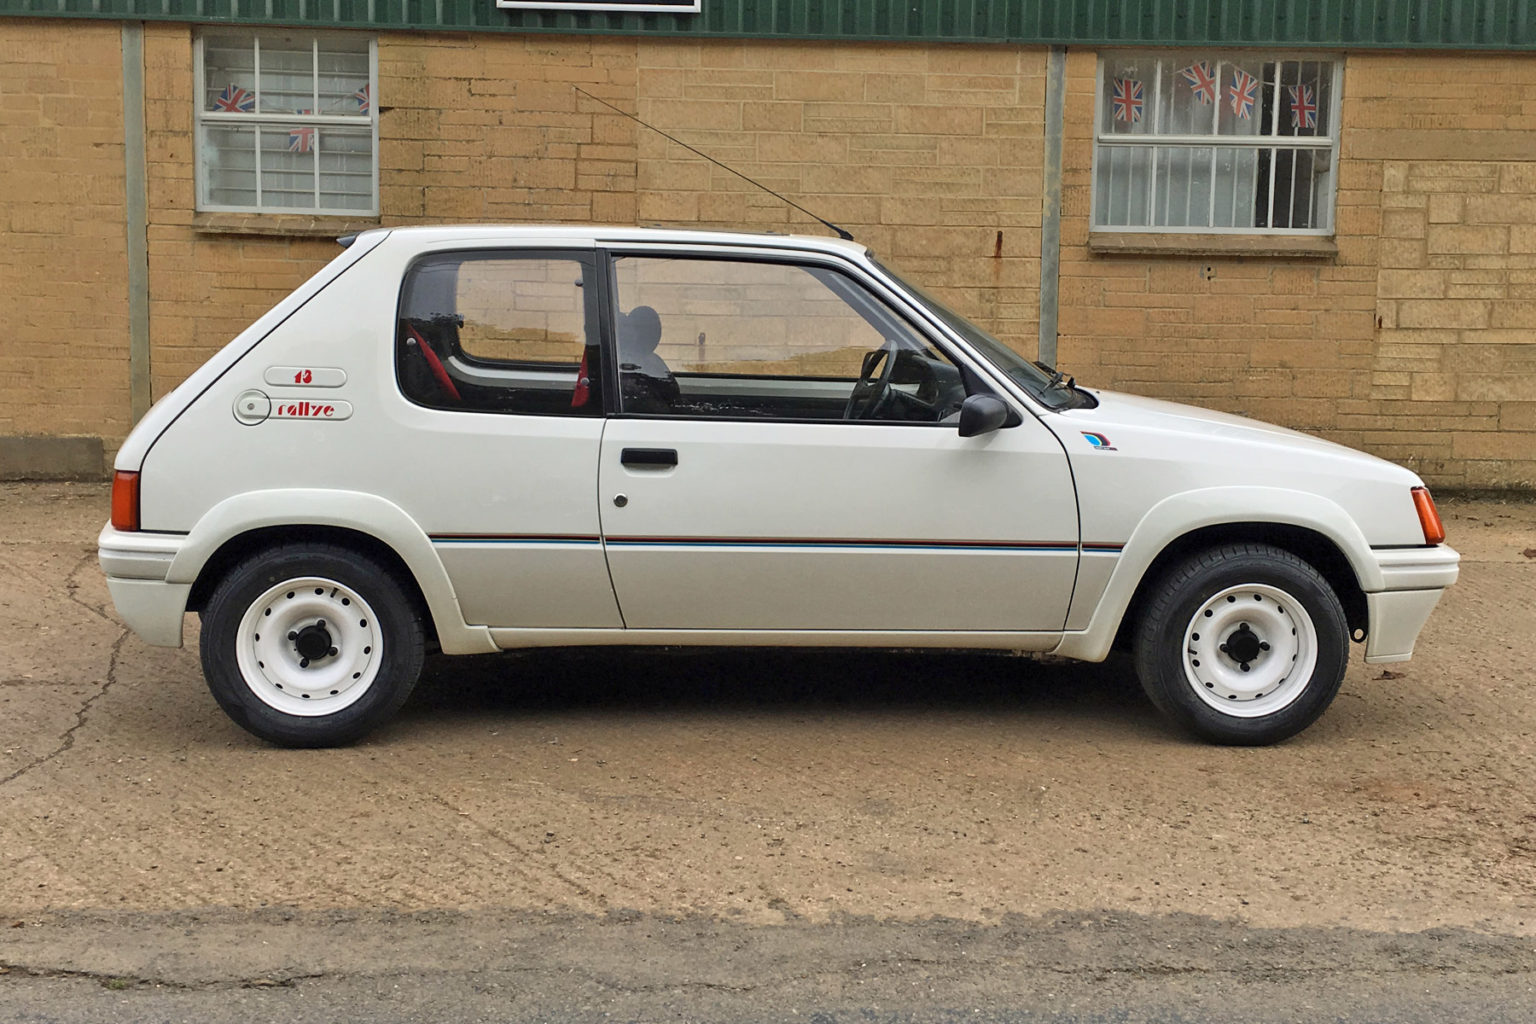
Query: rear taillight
{"points": [[1429, 518], [125, 501]]}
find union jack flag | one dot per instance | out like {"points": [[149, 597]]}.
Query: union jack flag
{"points": [[1303, 106], [302, 138], [1202, 81], [235, 100], [1126, 101], [363, 100], [1241, 93]]}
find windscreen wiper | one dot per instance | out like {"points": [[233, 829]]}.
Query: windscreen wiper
{"points": [[1059, 381]]}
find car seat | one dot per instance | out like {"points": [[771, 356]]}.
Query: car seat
{"points": [[646, 383]]}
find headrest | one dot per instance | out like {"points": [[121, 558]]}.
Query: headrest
{"points": [[639, 331]]}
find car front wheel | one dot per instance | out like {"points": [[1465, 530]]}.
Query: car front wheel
{"points": [[310, 646], [1242, 644]]}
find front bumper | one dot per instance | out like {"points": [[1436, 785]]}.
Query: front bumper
{"points": [[136, 566], [1413, 580]]}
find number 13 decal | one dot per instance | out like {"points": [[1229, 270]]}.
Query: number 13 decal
{"points": [[305, 376]]}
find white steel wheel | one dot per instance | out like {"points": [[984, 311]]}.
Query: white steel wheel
{"points": [[309, 646], [1241, 643], [1250, 650]]}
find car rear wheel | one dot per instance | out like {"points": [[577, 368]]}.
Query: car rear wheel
{"points": [[310, 646], [1242, 644]]}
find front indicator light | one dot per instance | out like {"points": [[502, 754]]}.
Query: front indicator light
{"points": [[1429, 517], [125, 501]]}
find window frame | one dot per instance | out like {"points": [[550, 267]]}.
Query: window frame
{"points": [[595, 317], [1258, 143], [203, 117], [976, 381]]}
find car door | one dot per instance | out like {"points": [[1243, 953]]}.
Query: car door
{"points": [[785, 456], [499, 369]]}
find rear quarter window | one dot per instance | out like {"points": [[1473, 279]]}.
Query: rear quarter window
{"points": [[507, 332]]}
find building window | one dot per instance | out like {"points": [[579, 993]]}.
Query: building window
{"points": [[1205, 142], [287, 123]]}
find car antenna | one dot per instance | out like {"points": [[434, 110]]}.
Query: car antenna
{"points": [[844, 235]]}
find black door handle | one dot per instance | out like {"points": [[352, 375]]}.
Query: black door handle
{"points": [[649, 456]]}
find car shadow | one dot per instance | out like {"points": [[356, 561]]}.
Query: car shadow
{"points": [[627, 680]]}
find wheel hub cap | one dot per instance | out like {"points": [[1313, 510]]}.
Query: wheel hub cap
{"points": [[1243, 646], [312, 643]]}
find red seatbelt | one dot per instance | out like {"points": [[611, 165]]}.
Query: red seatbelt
{"points": [[436, 366], [583, 384]]}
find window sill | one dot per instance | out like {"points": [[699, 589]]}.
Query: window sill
{"points": [[280, 225], [1175, 243]]}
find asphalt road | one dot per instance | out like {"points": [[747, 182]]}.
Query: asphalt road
{"points": [[760, 835]]}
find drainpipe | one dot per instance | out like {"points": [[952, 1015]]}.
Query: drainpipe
{"points": [[1050, 202], [135, 175]]}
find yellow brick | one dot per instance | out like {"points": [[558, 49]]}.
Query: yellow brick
{"points": [[1509, 444], [1445, 209], [1402, 224], [1458, 313], [934, 120], [1413, 284], [1461, 239]]}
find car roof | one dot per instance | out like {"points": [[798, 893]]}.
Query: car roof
{"points": [[522, 233]]}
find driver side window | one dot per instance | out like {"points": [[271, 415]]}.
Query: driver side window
{"points": [[747, 339]]}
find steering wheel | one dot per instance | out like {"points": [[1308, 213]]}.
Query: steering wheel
{"points": [[871, 389]]}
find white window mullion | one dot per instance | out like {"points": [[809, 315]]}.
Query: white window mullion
{"points": [[256, 129], [1157, 120], [1215, 152], [1274, 132], [314, 109]]}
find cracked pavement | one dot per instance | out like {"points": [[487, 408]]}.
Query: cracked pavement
{"points": [[759, 835]]}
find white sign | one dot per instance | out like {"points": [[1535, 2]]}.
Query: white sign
{"points": [[638, 6]]}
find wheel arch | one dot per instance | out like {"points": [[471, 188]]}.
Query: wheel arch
{"points": [[241, 546], [1310, 526], [1311, 546], [366, 523]]}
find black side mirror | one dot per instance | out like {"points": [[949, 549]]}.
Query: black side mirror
{"points": [[982, 414]]}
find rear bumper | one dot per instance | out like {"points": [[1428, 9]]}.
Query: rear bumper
{"points": [[136, 565], [1413, 580]]}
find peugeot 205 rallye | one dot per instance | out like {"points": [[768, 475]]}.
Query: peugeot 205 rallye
{"points": [[484, 438]]}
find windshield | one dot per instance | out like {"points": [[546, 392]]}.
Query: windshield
{"points": [[1026, 374]]}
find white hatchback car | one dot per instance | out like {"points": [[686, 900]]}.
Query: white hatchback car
{"points": [[496, 437]]}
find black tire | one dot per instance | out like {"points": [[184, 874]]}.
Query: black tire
{"points": [[1166, 625], [391, 672]]}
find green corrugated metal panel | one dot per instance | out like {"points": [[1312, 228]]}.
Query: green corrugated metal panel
{"points": [[1408, 24]]}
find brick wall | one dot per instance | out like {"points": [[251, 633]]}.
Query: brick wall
{"points": [[930, 155], [204, 288], [63, 353], [933, 156], [1413, 342], [483, 128], [1416, 342]]}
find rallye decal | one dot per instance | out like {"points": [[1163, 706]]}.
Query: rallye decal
{"points": [[304, 409]]}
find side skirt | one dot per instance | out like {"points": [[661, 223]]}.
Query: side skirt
{"points": [[510, 639]]}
